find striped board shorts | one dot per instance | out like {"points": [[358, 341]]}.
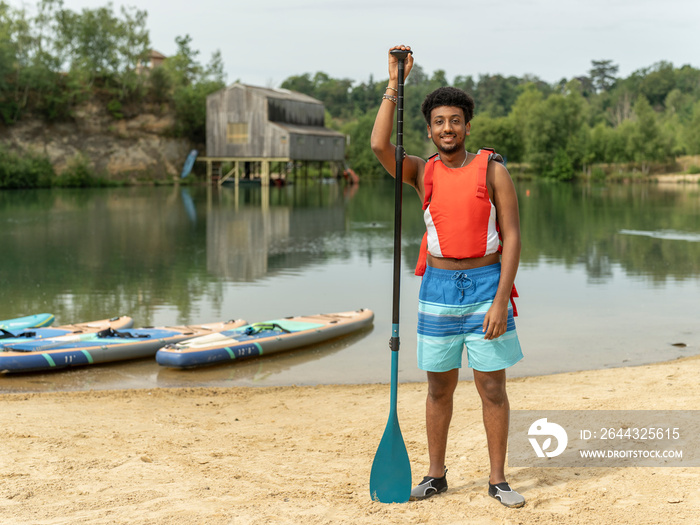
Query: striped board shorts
{"points": [[451, 310]]}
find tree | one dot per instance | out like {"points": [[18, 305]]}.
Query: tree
{"points": [[465, 83], [603, 74], [358, 152], [192, 83], [104, 46], [495, 94], [658, 82], [552, 128], [300, 84], [499, 133], [183, 67], [8, 64], [333, 93], [692, 132], [647, 141]]}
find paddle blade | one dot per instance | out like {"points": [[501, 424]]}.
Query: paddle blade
{"points": [[390, 479]]}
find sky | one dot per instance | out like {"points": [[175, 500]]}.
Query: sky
{"points": [[263, 42]]}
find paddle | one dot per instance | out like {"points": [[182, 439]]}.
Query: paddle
{"points": [[390, 479]]}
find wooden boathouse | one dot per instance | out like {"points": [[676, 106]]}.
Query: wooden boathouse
{"points": [[256, 129]]}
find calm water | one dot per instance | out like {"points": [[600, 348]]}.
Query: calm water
{"points": [[610, 275]]}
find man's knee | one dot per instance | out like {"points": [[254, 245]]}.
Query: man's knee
{"points": [[492, 389], [442, 385]]}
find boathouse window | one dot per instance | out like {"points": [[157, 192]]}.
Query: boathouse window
{"points": [[237, 133]]}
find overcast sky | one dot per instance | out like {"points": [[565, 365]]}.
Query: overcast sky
{"points": [[264, 42]]}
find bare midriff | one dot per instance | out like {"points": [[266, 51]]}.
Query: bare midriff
{"points": [[446, 263]]}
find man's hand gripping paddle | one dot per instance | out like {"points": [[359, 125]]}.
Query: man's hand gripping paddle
{"points": [[390, 479]]}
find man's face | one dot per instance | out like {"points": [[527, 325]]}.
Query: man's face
{"points": [[448, 128]]}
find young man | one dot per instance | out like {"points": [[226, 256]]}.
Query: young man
{"points": [[473, 252]]}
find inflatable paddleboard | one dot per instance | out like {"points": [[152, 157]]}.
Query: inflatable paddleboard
{"points": [[189, 163], [59, 333], [100, 347], [30, 321], [264, 338]]}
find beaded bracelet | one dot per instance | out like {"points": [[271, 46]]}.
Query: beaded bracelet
{"points": [[393, 89], [390, 97]]}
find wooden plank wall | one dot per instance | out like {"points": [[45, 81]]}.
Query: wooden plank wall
{"points": [[241, 104]]}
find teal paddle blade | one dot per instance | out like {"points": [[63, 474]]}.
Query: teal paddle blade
{"points": [[390, 478]]}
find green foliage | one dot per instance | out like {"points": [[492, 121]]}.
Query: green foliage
{"points": [[603, 74], [495, 94], [31, 170], [561, 166], [499, 133], [54, 60], [27, 170], [105, 46], [691, 133], [78, 174], [114, 107], [190, 83], [334, 93], [190, 104], [559, 131], [159, 85], [362, 160]]}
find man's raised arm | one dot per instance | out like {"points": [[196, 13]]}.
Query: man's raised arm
{"points": [[381, 144]]}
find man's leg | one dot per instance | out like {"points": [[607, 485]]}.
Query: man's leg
{"points": [[496, 410], [438, 414]]}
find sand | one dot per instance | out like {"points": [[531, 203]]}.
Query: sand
{"points": [[302, 455]]}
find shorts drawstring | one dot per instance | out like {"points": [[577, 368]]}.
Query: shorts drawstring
{"points": [[462, 282]]}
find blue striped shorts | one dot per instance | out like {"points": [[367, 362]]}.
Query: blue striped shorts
{"points": [[451, 310]]}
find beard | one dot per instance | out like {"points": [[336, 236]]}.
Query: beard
{"points": [[450, 148]]}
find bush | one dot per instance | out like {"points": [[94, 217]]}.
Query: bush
{"points": [[27, 170], [114, 108], [562, 168], [79, 174], [598, 173]]}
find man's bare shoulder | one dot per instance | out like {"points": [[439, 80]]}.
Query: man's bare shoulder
{"points": [[497, 170]]}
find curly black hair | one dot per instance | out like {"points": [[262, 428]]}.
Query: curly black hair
{"points": [[448, 96]]}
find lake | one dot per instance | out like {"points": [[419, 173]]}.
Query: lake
{"points": [[609, 274]]}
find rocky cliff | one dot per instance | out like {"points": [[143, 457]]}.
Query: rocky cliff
{"points": [[135, 148]]}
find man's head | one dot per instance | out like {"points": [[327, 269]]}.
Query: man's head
{"points": [[448, 112], [448, 96]]}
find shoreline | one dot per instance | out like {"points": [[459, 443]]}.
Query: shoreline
{"points": [[242, 455], [106, 375]]}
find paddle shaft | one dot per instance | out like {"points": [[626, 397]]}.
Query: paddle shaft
{"points": [[398, 196]]}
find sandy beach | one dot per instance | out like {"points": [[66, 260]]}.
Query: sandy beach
{"points": [[303, 455]]}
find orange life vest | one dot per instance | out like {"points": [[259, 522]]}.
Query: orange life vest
{"points": [[459, 215]]}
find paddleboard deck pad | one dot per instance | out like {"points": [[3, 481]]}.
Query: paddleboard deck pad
{"points": [[265, 338], [67, 332], [103, 346]]}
